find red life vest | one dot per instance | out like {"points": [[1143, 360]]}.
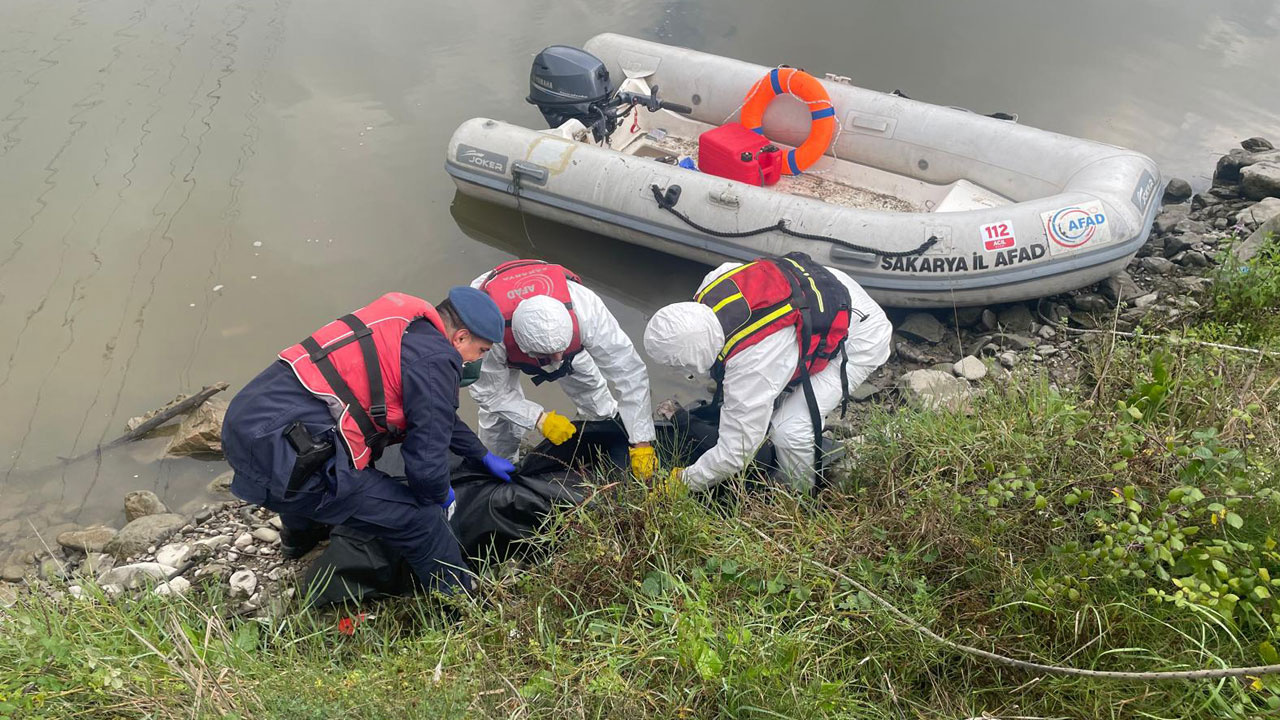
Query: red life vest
{"points": [[513, 282], [756, 300], [353, 364]]}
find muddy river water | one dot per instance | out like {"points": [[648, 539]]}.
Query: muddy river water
{"points": [[187, 186]]}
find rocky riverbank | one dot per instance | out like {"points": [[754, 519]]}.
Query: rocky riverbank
{"points": [[940, 359]]}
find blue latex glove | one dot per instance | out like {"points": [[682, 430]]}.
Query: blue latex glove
{"points": [[498, 466], [448, 506]]}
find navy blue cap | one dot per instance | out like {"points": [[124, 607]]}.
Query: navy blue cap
{"points": [[478, 312]]}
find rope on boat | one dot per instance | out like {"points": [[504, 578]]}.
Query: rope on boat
{"points": [[667, 201]]}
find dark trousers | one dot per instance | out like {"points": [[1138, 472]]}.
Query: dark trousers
{"points": [[367, 500], [387, 510]]}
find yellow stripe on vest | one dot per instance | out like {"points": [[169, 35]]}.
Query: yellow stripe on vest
{"points": [[812, 284], [726, 301], [702, 293], [743, 333]]}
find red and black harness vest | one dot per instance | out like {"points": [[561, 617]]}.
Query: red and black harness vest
{"points": [[353, 365], [514, 282], [760, 298]]}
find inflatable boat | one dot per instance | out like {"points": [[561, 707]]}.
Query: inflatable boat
{"points": [[924, 205]]}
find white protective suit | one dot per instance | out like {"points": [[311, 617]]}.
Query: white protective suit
{"points": [[688, 335], [506, 414]]}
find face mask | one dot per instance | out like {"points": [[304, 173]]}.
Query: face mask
{"points": [[470, 373]]}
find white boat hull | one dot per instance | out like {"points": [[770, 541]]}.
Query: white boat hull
{"points": [[1017, 212]]}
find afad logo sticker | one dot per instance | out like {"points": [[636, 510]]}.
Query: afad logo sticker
{"points": [[1075, 227]]}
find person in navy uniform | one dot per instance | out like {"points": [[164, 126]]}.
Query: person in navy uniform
{"points": [[303, 436]]}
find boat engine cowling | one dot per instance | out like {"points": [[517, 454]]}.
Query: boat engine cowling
{"points": [[567, 83]]}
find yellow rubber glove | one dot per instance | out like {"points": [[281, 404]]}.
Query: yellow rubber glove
{"points": [[556, 427], [671, 487], [643, 462]]}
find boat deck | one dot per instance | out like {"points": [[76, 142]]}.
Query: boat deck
{"points": [[816, 185]]}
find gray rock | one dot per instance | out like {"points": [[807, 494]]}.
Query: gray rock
{"points": [[221, 485], [1090, 303], [97, 563], [52, 569], [864, 392], [201, 430], [1229, 165], [967, 317], [176, 586], [1175, 244], [243, 583], [89, 540], [988, 321], [1261, 180], [932, 390], [1193, 258], [213, 543], [1119, 288], [243, 540], [8, 595], [970, 368], [201, 515], [1058, 312], [1158, 265], [266, 535], [1221, 223], [1047, 332], [135, 575], [1008, 359], [1257, 144], [141, 503], [142, 533], [1146, 300], [13, 573], [1178, 190], [1015, 318], [922, 327], [1017, 342], [1169, 217], [1258, 213], [276, 522], [174, 554], [1194, 285], [216, 571]]}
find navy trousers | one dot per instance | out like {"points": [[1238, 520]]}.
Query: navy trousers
{"points": [[367, 500]]}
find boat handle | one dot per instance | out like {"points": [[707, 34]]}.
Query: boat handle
{"points": [[839, 253], [531, 172]]}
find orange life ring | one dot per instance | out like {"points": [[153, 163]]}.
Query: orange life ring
{"points": [[790, 81]]}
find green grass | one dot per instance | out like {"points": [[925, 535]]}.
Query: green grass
{"points": [[1128, 523]]}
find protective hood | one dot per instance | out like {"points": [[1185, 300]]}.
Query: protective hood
{"points": [[541, 326], [685, 335]]}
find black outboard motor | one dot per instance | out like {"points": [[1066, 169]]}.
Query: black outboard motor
{"points": [[571, 84], [567, 83]]}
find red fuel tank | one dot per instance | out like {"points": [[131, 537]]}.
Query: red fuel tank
{"points": [[734, 152]]}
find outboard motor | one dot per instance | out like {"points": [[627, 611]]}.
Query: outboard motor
{"points": [[567, 83], [571, 84]]}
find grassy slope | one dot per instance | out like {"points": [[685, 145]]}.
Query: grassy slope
{"points": [[1127, 523]]}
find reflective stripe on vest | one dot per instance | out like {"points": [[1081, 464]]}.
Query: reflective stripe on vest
{"points": [[757, 299]]}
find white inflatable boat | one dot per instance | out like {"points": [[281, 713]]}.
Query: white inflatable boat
{"points": [[925, 206]]}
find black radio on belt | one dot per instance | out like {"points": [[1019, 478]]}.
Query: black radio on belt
{"points": [[312, 455]]}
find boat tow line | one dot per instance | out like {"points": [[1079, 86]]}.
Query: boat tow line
{"points": [[667, 201]]}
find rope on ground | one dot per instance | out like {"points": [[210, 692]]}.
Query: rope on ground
{"points": [[1211, 674], [667, 201]]}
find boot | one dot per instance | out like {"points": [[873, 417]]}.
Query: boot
{"points": [[296, 543]]}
